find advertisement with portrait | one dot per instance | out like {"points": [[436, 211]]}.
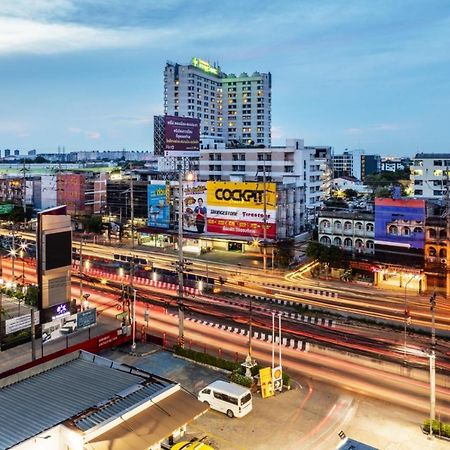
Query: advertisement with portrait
{"points": [[399, 230], [181, 136], [195, 210], [158, 212], [237, 208]]}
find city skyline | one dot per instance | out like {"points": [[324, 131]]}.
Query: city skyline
{"points": [[353, 75]]}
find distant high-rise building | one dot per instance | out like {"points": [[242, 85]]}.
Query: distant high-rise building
{"points": [[7, 152], [356, 163], [234, 108], [16, 153], [32, 152]]}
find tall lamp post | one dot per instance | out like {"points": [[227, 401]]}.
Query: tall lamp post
{"points": [[432, 364], [133, 329], [407, 318]]}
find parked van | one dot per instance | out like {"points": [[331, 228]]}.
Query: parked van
{"points": [[229, 398]]}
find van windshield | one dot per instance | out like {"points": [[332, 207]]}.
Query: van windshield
{"points": [[246, 398]]}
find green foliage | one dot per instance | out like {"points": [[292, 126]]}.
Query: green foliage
{"points": [[93, 224], [383, 182], [238, 372], [238, 378], [331, 255], [334, 202], [439, 428], [285, 252], [205, 358]]}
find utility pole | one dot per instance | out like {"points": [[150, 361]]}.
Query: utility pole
{"points": [[264, 214], [24, 194], [132, 205], [432, 364], [133, 327], [13, 254], [81, 269], [180, 265]]}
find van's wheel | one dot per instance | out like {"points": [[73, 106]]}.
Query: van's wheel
{"points": [[206, 403], [230, 414]]}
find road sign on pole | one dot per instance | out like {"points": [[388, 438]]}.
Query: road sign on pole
{"points": [[277, 378]]}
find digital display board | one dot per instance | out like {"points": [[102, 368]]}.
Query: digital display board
{"points": [[181, 136], [195, 209], [58, 250]]}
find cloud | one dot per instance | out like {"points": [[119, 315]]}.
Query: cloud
{"points": [[93, 135], [278, 132], [12, 127], [354, 130], [386, 127]]}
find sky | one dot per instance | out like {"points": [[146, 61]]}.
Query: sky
{"points": [[88, 74]]}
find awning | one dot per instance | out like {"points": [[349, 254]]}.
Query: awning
{"points": [[152, 425]]}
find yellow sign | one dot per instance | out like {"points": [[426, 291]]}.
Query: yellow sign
{"points": [[247, 195], [265, 377]]}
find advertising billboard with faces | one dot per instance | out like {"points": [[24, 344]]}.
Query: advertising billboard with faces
{"points": [[237, 208], [195, 211]]}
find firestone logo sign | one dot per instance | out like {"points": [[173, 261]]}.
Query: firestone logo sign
{"points": [[239, 195]]}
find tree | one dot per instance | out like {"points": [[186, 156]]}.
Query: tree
{"points": [[93, 224], [350, 193], [331, 255], [285, 252]]}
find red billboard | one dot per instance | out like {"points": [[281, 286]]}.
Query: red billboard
{"points": [[181, 136]]}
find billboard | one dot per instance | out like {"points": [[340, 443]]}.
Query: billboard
{"points": [[54, 257], [237, 208], [181, 136], [400, 230], [195, 207], [158, 212], [58, 250]]}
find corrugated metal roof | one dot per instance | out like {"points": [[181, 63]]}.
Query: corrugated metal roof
{"points": [[39, 402]]}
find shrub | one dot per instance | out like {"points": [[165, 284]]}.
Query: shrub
{"points": [[439, 428], [238, 378]]}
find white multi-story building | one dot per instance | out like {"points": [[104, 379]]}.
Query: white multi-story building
{"points": [[236, 109], [348, 164], [430, 173], [295, 163], [351, 231]]}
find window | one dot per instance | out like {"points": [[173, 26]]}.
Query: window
{"points": [[347, 225], [337, 241], [437, 193], [393, 230], [348, 243], [432, 233], [358, 225], [338, 225], [369, 227], [406, 231], [370, 244], [418, 182], [325, 240], [325, 224], [442, 253], [359, 243], [431, 251], [442, 234], [437, 162], [418, 192]]}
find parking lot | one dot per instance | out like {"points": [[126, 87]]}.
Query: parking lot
{"points": [[309, 416]]}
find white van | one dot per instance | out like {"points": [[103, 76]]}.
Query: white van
{"points": [[229, 398]]}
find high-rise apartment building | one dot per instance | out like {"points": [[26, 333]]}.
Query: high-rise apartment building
{"points": [[236, 109]]}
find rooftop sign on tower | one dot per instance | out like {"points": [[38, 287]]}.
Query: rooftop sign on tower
{"points": [[205, 66]]}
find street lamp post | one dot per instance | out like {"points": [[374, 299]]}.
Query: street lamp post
{"points": [[432, 364], [180, 265], [407, 318], [133, 345]]}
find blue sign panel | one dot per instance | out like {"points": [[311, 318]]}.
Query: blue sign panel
{"points": [[158, 206], [86, 318]]}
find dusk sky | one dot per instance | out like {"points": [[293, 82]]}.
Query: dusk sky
{"points": [[88, 74]]}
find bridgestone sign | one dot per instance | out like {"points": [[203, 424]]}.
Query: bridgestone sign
{"points": [[20, 323]]}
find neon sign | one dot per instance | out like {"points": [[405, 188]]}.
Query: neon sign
{"points": [[205, 66]]}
